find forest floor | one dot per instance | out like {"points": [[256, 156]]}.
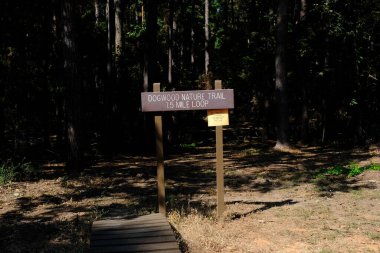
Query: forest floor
{"points": [[275, 201]]}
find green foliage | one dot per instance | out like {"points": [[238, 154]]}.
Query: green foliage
{"points": [[6, 173], [11, 171], [101, 27], [219, 38], [188, 145], [136, 31], [350, 170], [353, 102]]}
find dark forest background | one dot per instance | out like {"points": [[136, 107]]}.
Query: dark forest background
{"points": [[71, 72]]}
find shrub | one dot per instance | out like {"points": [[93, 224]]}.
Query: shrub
{"points": [[11, 171], [351, 170], [7, 174]]}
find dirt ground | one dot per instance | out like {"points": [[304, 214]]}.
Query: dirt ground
{"points": [[275, 201]]}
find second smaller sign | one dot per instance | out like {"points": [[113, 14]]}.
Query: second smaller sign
{"points": [[217, 117]]}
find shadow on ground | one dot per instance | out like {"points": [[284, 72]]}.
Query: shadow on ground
{"points": [[131, 180]]}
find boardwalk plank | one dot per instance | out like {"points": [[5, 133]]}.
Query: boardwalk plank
{"points": [[149, 217], [132, 231], [134, 223], [146, 219], [129, 235], [138, 248], [150, 233], [97, 229], [128, 226], [139, 240]]}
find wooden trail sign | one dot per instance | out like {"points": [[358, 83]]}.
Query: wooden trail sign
{"points": [[217, 102], [187, 100]]}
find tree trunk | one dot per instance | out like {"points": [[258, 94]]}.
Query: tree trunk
{"points": [[60, 127], [98, 82], [303, 11], [73, 89], [110, 36], [233, 23], [108, 136], [118, 39], [304, 79], [326, 105], [2, 117], [170, 42], [280, 68], [97, 12], [150, 63], [45, 105], [150, 50], [304, 116], [45, 94], [357, 114], [192, 54], [207, 56], [3, 84]]}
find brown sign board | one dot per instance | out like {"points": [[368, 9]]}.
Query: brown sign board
{"points": [[187, 100]]}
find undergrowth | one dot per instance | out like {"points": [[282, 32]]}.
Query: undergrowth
{"points": [[12, 171], [350, 170]]}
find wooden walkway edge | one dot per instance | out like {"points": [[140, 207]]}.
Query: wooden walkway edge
{"points": [[150, 233]]}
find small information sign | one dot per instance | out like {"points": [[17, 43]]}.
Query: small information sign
{"points": [[218, 117]]}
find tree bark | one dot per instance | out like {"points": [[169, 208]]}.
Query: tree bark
{"points": [[150, 68], [97, 12], [207, 55], [73, 90], [303, 10], [110, 36], [281, 72], [152, 29], [304, 71], [118, 39], [2, 117], [108, 133], [170, 42], [60, 125], [192, 54], [45, 94], [150, 57]]}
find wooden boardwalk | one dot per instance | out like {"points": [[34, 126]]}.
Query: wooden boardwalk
{"points": [[150, 233]]}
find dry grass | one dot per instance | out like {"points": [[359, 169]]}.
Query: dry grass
{"points": [[342, 223], [203, 234], [279, 206]]}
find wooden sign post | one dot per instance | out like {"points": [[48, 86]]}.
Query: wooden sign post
{"points": [[216, 101], [160, 158], [219, 163]]}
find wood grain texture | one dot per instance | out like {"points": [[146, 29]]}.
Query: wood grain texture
{"points": [[149, 233]]}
